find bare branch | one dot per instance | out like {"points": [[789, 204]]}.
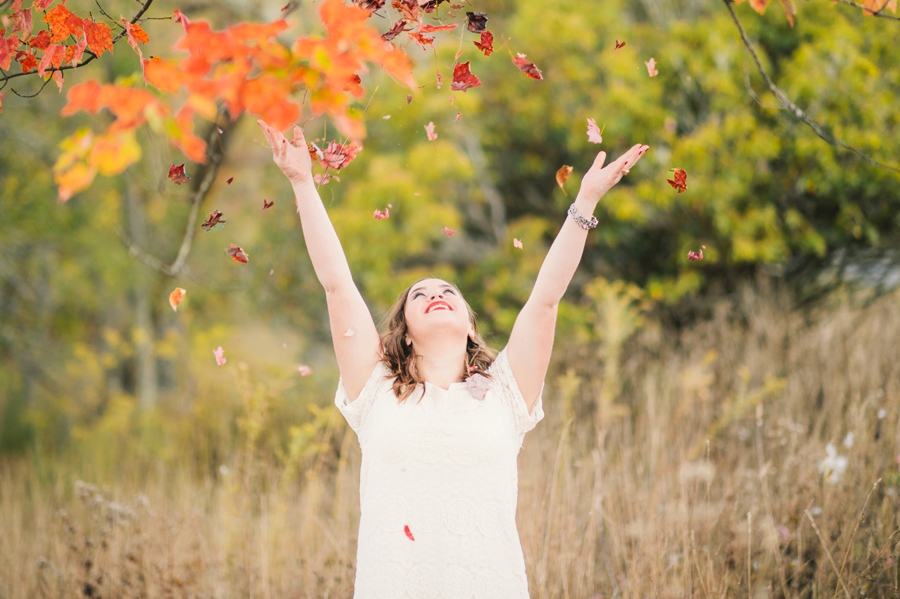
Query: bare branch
{"points": [[91, 56], [793, 108], [869, 12]]}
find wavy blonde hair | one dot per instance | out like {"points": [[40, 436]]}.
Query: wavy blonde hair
{"points": [[402, 361]]}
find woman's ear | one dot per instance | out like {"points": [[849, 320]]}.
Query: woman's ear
{"points": [[408, 340], [472, 333]]}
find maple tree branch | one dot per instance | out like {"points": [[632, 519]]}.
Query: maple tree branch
{"points": [[875, 13], [793, 108], [91, 56]]}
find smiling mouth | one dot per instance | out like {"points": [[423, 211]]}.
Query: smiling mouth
{"points": [[438, 306]]}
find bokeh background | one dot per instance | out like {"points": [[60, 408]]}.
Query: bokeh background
{"points": [[723, 427]]}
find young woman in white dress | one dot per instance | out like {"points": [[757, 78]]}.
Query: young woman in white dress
{"points": [[440, 420]]}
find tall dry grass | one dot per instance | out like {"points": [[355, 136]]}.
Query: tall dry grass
{"points": [[671, 465]]}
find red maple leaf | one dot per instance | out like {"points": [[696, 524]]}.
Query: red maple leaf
{"points": [[399, 27], [433, 28], [423, 40], [477, 21], [62, 23], [694, 256], [463, 78], [177, 174], [486, 44], [429, 131], [27, 60], [237, 254], [337, 156], [99, 36], [527, 67], [41, 41], [215, 220], [680, 180], [408, 532], [383, 214], [593, 132]]}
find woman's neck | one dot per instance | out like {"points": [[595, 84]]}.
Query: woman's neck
{"points": [[442, 366]]}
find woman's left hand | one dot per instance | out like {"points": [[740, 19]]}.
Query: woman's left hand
{"points": [[599, 179]]}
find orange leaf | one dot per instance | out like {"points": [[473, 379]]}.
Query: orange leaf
{"points": [[562, 175], [176, 297], [99, 37], [164, 76], [62, 23], [27, 61]]}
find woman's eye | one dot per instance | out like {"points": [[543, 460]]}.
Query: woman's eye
{"points": [[451, 291], [417, 294]]}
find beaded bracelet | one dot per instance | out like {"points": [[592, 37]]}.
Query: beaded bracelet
{"points": [[582, 221]]}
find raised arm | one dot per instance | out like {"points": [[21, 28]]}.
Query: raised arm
{"points": [[356, 341], [531, 340]]}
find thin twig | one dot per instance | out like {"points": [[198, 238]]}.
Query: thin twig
{"points": [[869, 11], [827, 552], [793, 108]]}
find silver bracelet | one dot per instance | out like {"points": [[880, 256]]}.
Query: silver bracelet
{"points": [[582, 221]]}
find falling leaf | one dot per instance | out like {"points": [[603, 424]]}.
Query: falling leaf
{"points": [[230, 179], [315, 152], [320, 179], [429, 130], [477, 21], [517, 243], [593, 133], [438, 79], [486, 44], [220, 356], [398, 28], [527, 67], [458, 116], [463, 78], [562, 175], [680, 180], [271, 272], [304, 370], [176, 297], [267, 204], [693, 256], [423, 40], [433, 28], [651, 68], [619, 44], [448, 231], [215, 220], [386, 117], [337, 156], [408, 532], [408, 98], [177, 175], [237, 254], [478, 385], [382, 214], [350, 332]]}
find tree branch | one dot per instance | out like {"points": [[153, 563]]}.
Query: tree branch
{"points": [[793, 108], [178, 268], [91, 56], [874, 13]]}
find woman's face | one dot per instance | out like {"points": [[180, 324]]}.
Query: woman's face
{"points": [[435, 307]]}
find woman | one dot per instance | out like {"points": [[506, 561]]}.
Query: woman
{"points": [[439, 422]]}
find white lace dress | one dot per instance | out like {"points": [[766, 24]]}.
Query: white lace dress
{"points": [[442, 471]]}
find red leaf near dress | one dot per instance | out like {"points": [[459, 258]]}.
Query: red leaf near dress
{"points": [[680, 180], [237, 254], [527, 67], [478, 385], [463, 78], [477, 21], [486, 44], [177, 174], [408, 532], [215, 220]]}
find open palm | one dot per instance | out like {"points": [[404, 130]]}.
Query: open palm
{"points": [[292, 158], [599, 179]]}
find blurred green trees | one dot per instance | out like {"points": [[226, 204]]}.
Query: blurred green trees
{"points": [[90, 352]]}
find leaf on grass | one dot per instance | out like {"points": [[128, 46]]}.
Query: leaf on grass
{"points": [[215, 220], [486, 44], [267, 204], [651, 67], [680, 180], [304, 370], [620, 44], [429, 130], [237, 254], [219, 353], [176, 297], [517, 243], [408, 532], [694, 256], [463, 78], [448, 231], [562, 175], [593, 132], [527, 67], [476, 21], [478, 385], [177, 174]]}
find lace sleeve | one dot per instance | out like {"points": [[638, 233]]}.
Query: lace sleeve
{"points": [[355, 411], [504, 382]]}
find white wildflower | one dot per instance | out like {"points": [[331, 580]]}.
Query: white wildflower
{"points": [[848, 440], [882, 413], [223, 469], [833, 466]]}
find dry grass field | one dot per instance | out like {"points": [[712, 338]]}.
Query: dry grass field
{"points": [[688, 466]]}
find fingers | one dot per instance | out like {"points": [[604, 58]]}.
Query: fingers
{"points": [[298, 137], [599, 160]]}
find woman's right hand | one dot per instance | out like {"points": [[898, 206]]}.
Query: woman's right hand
{"points": [[292, 158]]}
